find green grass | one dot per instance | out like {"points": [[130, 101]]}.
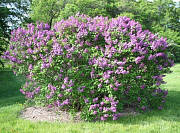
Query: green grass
{"points": [[166, 121]]}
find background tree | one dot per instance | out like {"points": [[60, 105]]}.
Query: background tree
{"points": [[159, 16], [47, 10], [12, 14], [90, 7]]}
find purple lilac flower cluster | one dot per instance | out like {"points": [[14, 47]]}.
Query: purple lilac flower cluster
{"points": [[107, 108], [30, 89], [94, 65]]}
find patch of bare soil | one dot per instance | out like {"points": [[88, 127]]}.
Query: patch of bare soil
{"points": [[56, 115], [48, 114], [129, 111]]}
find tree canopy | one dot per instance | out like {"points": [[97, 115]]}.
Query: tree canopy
{"points": [[12, 14], [158, 16]]}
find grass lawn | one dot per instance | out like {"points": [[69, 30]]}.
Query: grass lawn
{"points": [[165, 121]]}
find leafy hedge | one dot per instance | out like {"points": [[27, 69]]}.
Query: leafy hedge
{"points": [[93, 65], [175, 50]]}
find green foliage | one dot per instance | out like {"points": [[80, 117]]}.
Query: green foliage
{"points": [[3, 44], [51, 11], [46, 10], [176, 52], [89, 7], [69, 10], [93, 65], [130, 15], [160, 17], [171, 35]]}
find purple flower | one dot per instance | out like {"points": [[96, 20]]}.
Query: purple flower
{"points": [[115, 118], [29, 51], [103, 118], [141, 65], [160, 55], [22, 91], [163, 101], [61, 70], [46, 27], [158, 83], [29, 94], [69, 90], [12, 47], [66, 102], [121, 63], [102, 103], [129, 67], [37, 90], [95, 100], [71, 83], [138, 77], [143, 86], [82, 74], [60, 95], [139, 59], [107, 99], [58, 103], [113, 109], [94, 112], [66, 80], [86, 100], [86, 51], [106, 76], [111, 85], [100, 108], [60, 75], [138, 99], [115, 89], [143, 108], [151, 57], [107, 81], [165, 93], [106, 115], [50, 106], [160, 67], [99, 85], [124, 72], [117, 84], [160, 107], [53, 88], [92, 73], [92, 91], [92, 107], [63, 86], [83, 87], [80, 90], [48, 96]]}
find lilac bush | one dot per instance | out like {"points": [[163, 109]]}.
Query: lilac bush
{"points": [[94, 65]]}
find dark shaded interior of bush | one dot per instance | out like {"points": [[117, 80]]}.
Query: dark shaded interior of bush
{"points": [[93, 65]]}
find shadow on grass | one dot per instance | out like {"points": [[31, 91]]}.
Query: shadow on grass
{"points": [[171, 112], [9, 89]]}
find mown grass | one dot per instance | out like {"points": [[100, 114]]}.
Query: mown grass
{"points": [[165, 121]]}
